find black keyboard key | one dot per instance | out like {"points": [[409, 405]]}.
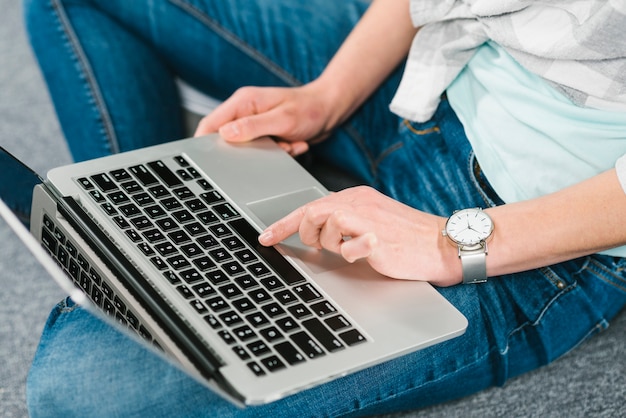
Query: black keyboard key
{"points": [[194, 173], [131, 187], [207, 217], [217, 277], [165, 173], [143, 175], [352, 337], [97, 296], [212, 197], [132, 320], [220, 255], [246, 256], [217, 304], [141, 223], [178, 262], [273, 363], [202, 263], [308, 345], [171, 203], [104, 182], [241, 352], [258, 269], [204, 290], [85, 183], [258, 348], [155, 211], [154, 235], [184, 193], [97, 196], [260, 296], [143, 199], [286, 297], [256, 369], [226, 211], [199, 306], [257, 319], [287, 324], [226, 336], [289, 353], [272, 283], [133, 235], [190, 276], [183, 216], [120, 175], [195, 205], [130, 210], [337, 323], [212, 321], [207, 241], [165, 248], [118, 197], [159, 263], [274, 310], [323, 335], [159, 191], [299, 311], [285, 270], [230, 291], [307, 293], [121, 222], [145, 248], [233, 268], [232, 243], [323, 308], [271, 334], [171, 277], [49, 241], [183, 174], [195, 229], [244, 305], [166, 224], [246, 282], [181, 161], [230, 318], [109, 209]]}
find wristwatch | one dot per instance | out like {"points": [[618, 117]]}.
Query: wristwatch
{"points": [[469, 230]]}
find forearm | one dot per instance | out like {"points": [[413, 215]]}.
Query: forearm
{"points": [[579, 220], [375, 47]]}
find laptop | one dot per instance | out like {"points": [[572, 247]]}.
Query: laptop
{"points": [[162, 243]]}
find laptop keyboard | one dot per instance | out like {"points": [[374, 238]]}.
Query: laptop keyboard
{"points": [[260, 305]]}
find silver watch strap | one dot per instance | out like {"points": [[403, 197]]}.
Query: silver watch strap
{"points": [[474, 264]]}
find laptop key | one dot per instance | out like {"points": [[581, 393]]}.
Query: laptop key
{"points": [[308, 345], [164, 173], [143, 175], [323, 335], [104, 182], [289, 353]]}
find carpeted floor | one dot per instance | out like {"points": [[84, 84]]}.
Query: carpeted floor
{"points": [[590, 381]]}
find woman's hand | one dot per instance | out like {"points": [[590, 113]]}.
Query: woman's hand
{"points": [[292, 116], [361, 223]]}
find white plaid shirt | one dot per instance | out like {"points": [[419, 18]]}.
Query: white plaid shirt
{"points": [[578, 46]]}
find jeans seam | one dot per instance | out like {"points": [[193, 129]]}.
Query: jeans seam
{"points": [[600, 271], [88, 75], [237, 42]]}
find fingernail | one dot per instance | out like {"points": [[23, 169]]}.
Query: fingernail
{"points": [[266, 236]]}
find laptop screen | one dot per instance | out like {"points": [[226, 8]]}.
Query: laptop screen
{"points": [[16, 185]]}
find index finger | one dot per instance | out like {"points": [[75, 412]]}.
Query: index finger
{"points": [[283, 228]]}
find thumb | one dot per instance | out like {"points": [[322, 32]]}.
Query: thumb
{"points": [[359, 247]]}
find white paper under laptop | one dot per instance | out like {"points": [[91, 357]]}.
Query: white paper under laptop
{"points": [[163, 240]]}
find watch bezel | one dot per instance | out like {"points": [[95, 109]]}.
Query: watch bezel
{"points": [[474, 244]]}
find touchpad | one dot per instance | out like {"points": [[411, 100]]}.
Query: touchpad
{"points": [[274, 208]]}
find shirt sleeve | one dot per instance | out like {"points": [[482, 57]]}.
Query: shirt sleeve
{"points": [[620, 167]]}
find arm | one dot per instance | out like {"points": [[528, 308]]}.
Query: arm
{"points": [[378, 43], [404, 243]]}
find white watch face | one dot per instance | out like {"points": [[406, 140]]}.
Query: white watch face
{"points": [[469, 226]]}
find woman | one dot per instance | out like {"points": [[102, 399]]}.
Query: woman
{"points": [[495, 108]]}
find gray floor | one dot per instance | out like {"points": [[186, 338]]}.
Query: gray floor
{"points": [[590, 381]]}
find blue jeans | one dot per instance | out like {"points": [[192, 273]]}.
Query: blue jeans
{"points": [[111, 67]]}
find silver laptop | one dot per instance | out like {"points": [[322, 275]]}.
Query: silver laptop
{"points": [[162, 243]]}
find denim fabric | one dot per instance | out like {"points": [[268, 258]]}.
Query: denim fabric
{"points": [[111, 67]]}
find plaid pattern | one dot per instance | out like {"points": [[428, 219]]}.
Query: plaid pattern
{"points": [[577, 46]]}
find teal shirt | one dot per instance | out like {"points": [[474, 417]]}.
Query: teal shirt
{"points": [[529, 138]]}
